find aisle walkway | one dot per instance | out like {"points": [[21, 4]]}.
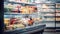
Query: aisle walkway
{"points": [[51, 33]]}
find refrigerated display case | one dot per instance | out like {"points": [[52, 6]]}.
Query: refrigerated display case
{"points": [[31, 12], [21, 17]]}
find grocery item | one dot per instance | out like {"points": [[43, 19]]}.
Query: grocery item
{"points": [[15, 10], [6, 21], [24, 1], [11, 0], [30, 21], [57, 19], [13, 21], [57, 14], [49, 19], [58, 5], [31, 1], [37, 1], [31, 9], [25, 21], [18, 26], [37, 19], [25, 10], [17, 0], [49, 15], [45, 6], [58, 10], [10, 27], [10, 5]]}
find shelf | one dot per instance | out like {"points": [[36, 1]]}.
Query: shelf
{"points": [[46, 12], [57, 19], [19, 2], [45, 8], [49, 15], [17, 14], [47, 21], [26, 2], [57, 11], [57, 5], [50, 20], [27, 29], [48, 8], [57, 14], [51, 8]]}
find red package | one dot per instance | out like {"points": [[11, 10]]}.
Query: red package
{"points": [[12, 21]]}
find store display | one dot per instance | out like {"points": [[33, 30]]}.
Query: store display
{"points": [[48, 6], [18, 10], [37, 1], [50, 19], [49, 15], [12, 27], [18, 26], [57, 19], [25, 1], [28, 10], [10, 5], [11, 0], [57, 14], [25, 10], [57, 5], [22, 1], [37, 19], [58, 10], [47, 10]]}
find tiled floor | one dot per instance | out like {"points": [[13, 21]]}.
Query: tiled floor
{"points": [[57, 32], [51, 33]]}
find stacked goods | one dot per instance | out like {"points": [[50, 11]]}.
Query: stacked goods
{"points": [[58, 10], [17, 8], [6, 21], [57, 5], [57, 19]]}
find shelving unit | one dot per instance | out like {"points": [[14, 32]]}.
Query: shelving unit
{"points": [[49, 8], [48, 12], [57, 16]]}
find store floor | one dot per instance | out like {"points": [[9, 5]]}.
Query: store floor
{"points": [[51, 33]]}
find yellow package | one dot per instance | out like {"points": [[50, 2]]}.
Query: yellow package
{"points": [[25, 10], [6, 20]]}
